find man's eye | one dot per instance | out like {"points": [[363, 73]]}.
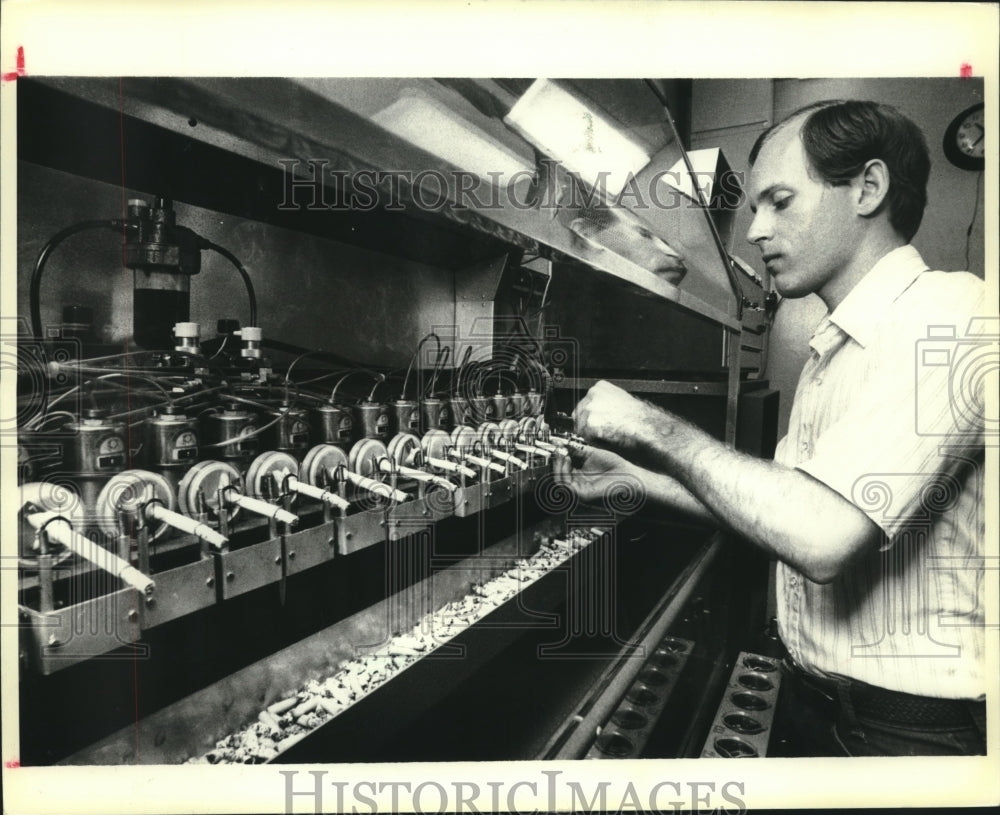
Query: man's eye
{"points": [[782, 203]]}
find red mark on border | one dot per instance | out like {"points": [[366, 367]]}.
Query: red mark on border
{"points": [[965, 71], [13, 764], [11, 75]]}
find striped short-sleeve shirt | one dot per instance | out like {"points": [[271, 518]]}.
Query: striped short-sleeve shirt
{"points": [[890, 413]]}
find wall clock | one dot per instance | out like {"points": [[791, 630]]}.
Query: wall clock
{"points": [[965, 139]]}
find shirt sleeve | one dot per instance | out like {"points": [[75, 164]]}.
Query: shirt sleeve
{"points": [[898, 450]]}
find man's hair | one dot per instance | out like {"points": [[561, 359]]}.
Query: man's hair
{"points": [[839, 136]]}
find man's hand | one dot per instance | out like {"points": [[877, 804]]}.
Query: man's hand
{"points": [[612, 418], [592, 473]]}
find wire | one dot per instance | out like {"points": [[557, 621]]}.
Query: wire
{"points": [[975, 213], [126, 374], [221, 347], [251, 295], [36, 424], [333, 393], [416, 354], [43, 256], [439, 363]]}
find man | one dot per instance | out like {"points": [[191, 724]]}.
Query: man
{"points": [[873, 504]]}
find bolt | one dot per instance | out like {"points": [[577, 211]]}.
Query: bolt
{"points": [[210, 582], [291, 555], [230, 576], [348, 535], [277, 560], [54, 641], [150, 602], [133, 615]]}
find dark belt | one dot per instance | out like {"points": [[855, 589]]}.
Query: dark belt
{"points": [[872, 702]]}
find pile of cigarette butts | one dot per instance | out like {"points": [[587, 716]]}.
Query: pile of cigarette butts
{"points": [[289, 720]]}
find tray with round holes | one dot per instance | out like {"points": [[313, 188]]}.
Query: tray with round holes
{"points": [[130, 491], [629, 727], [742, 725], [207, 478]]}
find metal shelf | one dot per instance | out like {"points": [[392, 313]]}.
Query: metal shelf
{"points": [[271, 120]]}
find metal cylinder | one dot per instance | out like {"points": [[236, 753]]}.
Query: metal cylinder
{"points": [[447, 417], [252, 337], [430, 414], [332, 424], [516, 405], [95, 453], [405, 416], [187, 337], [481, 407], [171, 445], [461, 411], [230, 425], [373, 420], [499, 410], [290, 434], [534, 403]]}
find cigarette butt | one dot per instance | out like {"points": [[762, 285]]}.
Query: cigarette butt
{"points": [[402, 651], [306, 707], [283, 706], [284, 744], [342, 695], [268, 720], [331, 707]]}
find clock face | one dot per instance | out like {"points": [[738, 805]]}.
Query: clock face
{"points": [[965, 139], [970, 136]]}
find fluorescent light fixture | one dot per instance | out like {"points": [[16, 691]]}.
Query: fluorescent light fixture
{"points": [[705, 163], [577, 136], [433, 127]]}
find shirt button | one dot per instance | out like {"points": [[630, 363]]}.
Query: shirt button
{"points": [[793, 580]]}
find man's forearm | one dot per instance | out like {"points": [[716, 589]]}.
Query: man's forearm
{"points": [[753, 497], [666, 492]]}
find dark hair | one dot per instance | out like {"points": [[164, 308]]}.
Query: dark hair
{"points": [[839, 136]]}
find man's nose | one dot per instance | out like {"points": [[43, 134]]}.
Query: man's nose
{"points": [[759, 228]]}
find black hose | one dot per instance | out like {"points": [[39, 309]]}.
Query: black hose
{"points": [[43, 256], [251, 295]]}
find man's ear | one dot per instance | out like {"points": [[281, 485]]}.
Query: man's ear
{"points": [[873, 187]]}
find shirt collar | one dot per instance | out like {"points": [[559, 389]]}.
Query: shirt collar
{"points": [[864, 306]]}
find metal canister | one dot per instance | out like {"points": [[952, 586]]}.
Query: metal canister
{"points": [[290, 434], [97, 451], [373, 420], [447, 416], [332, 424], [171, 445], [430, 414], [499, 410], [223, 436], [534, 403], [481, 408], [515, 405], [461, 411], [405, 416]]}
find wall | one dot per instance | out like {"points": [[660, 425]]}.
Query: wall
{"points": [[365, 306], [732, 112]]}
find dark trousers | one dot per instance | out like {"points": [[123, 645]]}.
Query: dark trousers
{"points": [[843, 717]]}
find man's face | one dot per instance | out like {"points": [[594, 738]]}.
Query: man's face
{"points": [[805, 229]]}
